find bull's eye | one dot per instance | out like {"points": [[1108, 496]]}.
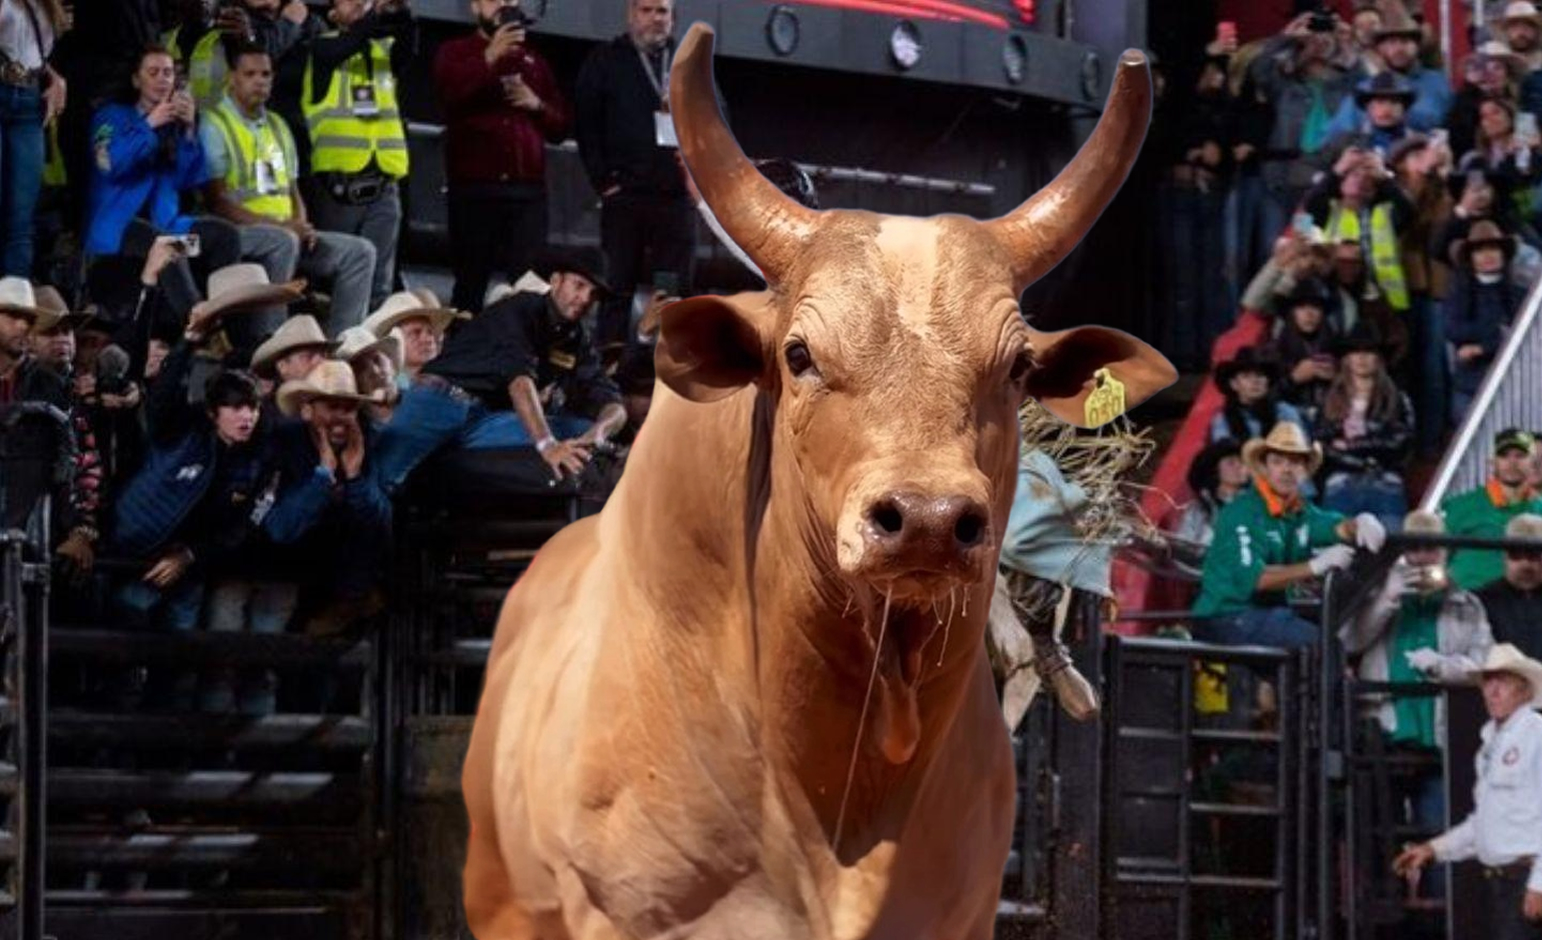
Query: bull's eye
{"points": [[799, 360], [1021, 366]]}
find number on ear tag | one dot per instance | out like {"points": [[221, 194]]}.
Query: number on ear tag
{"points": [[1106, 402]]}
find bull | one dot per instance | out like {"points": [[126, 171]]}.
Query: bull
{"points": [[750, 698]]}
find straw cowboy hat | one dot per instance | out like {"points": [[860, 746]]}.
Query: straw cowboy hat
{"points": [[404, 305], [1284, 438], [1504, 657], [1523, 10], [1424, 522], [1499, 52], [358, 340], [330, 381], [301, 332], [55, 314], [1527, 525], [18, 299], [1483, 234], [245, 287], [1397, 24]]}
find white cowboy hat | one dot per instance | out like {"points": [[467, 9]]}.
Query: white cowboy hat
{"points": [[18, 298], [358, 340], [405, 305], [1522, 10], [245, 287], [1504, 657], [331, 380], [301, 332], [1284, 438]]}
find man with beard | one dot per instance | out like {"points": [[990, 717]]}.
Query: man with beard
{"points": [[1514, 602], [1397, 45], [1264, 542], [1486, 511], [523, 372], [331, 522]]}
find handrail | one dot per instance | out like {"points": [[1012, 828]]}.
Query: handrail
{"points": [[1456, 454]]}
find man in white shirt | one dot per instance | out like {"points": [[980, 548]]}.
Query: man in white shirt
{"points": [[1504, 832]]}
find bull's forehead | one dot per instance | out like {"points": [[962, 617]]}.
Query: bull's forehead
{"points": [[942, 282]]}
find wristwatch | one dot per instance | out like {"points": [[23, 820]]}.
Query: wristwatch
{"points": [[545, 444]]}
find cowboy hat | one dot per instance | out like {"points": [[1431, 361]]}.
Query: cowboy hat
{"points": [[1309, 291], [54, 314], [1205, 472], [18, 299], [1500, 52], [405, 305], [1362, 337], [330, 381], [1504, 657], [1247, 359], [299, 332], [1424, 522], [1483, 234], [1522, 10], [1384, 85], [238, 287], [1286, 437], [358, 340], [586, 261], [1527, 525]]}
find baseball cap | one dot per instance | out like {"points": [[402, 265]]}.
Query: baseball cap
{"points": [[1514, 439]]}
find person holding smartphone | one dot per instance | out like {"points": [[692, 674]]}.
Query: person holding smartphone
{"points": [[502, 106]]}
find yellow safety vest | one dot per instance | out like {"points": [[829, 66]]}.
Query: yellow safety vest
{"points": [[206, 68], [1386, 257], [343, 140], [245, 149]]}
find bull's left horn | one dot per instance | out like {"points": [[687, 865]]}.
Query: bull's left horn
{"points": [[1042, 231], [769, 226]]}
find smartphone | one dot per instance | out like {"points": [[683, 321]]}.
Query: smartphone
{"points": [[1526, 126], [191, 245], [1440, 137], [1321, 22], [1303, 225], [1226, 30]]}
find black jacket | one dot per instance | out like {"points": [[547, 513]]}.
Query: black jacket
{"points": [[1514, 615], [614, 104], [523, 335]]}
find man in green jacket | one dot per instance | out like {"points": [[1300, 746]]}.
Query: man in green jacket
{"points": [[1264, 543], [1486, 511]]}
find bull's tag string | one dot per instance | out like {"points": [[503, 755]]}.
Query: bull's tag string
{"points": [[856, 746]]}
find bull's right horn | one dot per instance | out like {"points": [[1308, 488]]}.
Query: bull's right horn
{"points": [[761, 219], [1042, 231]]}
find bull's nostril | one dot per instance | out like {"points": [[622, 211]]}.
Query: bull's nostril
{"points": [[970, 529], [887, 517]]}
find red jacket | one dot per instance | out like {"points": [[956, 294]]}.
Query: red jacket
{"points": [[488, 140]]}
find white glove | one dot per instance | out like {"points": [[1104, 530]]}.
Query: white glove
{"points": [[1423, 659], [1370, 534], [1334, 556]]}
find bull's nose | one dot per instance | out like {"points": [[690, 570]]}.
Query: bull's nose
{"points": [[926, 532]]}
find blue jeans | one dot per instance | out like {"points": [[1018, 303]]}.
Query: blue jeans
{"points": [[258, 607], [1259, 626], [144, 607], [430, 417], [1352, 495], [21, 173]]}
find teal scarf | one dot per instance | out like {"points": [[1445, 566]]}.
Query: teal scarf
{"points": [[1416, 629]]}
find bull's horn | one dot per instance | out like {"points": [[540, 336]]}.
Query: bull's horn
{"points": [[1042, 231], [769, 226]]}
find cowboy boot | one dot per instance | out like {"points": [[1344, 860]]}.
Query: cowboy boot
{"points": [[1052, 661]]}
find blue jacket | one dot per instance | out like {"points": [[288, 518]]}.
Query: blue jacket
{"points": [[129, 177], [1432, 102]]}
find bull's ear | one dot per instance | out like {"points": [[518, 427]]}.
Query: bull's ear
{"points": [[1067, 363], [710, 347]]}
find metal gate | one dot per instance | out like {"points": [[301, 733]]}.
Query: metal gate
{"points": [[1203, 809]]}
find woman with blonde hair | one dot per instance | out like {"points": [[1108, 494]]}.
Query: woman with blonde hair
{"points": [[31, 98], [1366, 430]]}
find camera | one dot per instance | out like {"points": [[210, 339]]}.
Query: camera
{"points": [[513, 15]]}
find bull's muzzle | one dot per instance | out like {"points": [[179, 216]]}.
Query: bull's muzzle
{"points": [[919, 536]]}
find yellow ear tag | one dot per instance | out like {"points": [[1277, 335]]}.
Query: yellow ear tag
{"points": [[1106, 401]]}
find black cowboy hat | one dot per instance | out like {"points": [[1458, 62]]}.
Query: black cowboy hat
{"points": [[584, 260], [1310, 290], [1384, 85], [1205, 472], [1247, 359], [1362, 337]]}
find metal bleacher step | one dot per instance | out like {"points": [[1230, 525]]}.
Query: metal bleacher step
{"points": [[338, 795], [248, 649], [1234, 809], [464, 652], [333, 733], [219, 900], [305, 921], [9, 779], [328, 850]]}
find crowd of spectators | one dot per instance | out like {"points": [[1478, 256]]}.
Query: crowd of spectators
{"points": [[202, 201]]}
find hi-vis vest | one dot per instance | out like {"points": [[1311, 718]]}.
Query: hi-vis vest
{"points": [[265, 192], [1386, 257], [53, 164], [206, 68], [346, 133]]}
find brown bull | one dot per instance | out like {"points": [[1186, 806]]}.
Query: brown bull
{"points": [[750, 699]]}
